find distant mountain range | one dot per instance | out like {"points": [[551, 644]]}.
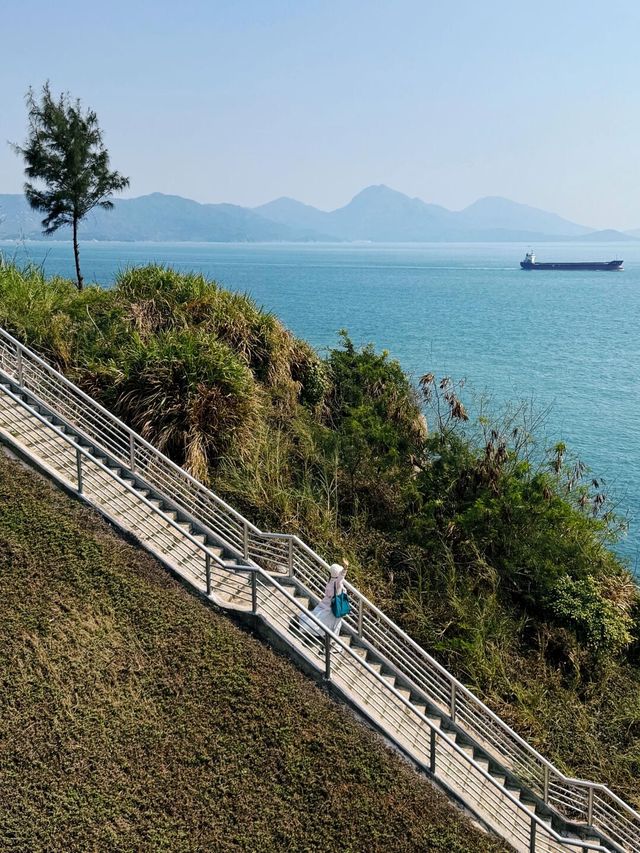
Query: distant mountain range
{"points": [[154, 217], [377, 214], [382, 214]]}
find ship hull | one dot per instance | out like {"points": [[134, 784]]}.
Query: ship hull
{"points": [[605, 266]]}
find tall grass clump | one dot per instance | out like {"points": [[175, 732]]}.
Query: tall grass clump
{"points": [[157, 299], [186, 392], [35, 308]]}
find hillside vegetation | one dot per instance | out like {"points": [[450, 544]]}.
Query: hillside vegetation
{"points": [[491, 550], [133, 718]]}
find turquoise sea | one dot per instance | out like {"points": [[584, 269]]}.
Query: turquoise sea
{"points": [[569, 342]]}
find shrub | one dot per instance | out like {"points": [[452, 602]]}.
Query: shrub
{"points": [[583, 606], [162, 284], [34, 308], [188, 394], [376, 429]]}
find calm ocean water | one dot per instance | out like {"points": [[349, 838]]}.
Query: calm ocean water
{"points": [[568, 341]]}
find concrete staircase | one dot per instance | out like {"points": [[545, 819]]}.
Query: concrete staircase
{"points": [[271, 579]]}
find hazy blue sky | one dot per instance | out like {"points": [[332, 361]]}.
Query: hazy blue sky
{"points": [[247, 100]]}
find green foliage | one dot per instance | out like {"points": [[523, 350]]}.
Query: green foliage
{"points": [[157, 299], [33, 307], [484, 504], [312, 374], [166, 288], [376, 428], [66, 154], [187, 393], [372, 395], [581, 604], [191, 366]]}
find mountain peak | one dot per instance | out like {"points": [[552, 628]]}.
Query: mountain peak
{"points": [[282, 199], [378, 191], [494, 211], [283, 202]]}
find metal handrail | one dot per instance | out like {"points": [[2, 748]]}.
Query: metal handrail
{"points": [[298, 554], [330, 636]]}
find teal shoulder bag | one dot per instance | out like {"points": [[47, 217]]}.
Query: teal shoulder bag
{"points": [[339, 603]]}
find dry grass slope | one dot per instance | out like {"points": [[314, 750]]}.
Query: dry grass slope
{"points": [[132, 718]]}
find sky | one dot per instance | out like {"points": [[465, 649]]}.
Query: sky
{"points": [[248, 100]]}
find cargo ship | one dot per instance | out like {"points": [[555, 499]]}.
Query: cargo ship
{"points": [[530, 263]]}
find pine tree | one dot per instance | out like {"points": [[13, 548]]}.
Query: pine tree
{"points": [[65, 152]]}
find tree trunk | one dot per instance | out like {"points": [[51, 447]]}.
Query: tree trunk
{"points": [[76, 253]]}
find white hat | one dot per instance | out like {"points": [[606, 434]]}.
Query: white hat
{"points": [[335, 569]]}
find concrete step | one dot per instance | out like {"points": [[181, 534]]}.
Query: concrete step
{"points": [[468, 750], [359, 651]]}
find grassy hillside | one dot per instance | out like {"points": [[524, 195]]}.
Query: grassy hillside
{"points": [[133, 718], [492, 550]]}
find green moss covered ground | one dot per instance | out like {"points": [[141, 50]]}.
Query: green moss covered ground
{"points": [[134, 718]]}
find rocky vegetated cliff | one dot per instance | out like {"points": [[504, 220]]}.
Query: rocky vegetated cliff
{"points": [[492, 551]]}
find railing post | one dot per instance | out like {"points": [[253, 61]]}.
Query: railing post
{"points": [[291, 556], [545, 791], [19, 366], [532, 837], [360, 607], [432, 752], [245, 540], [452, 706], [327, 656], [79, 470], [132, 452], [207, 569], [590, 807], [254, 593]]}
